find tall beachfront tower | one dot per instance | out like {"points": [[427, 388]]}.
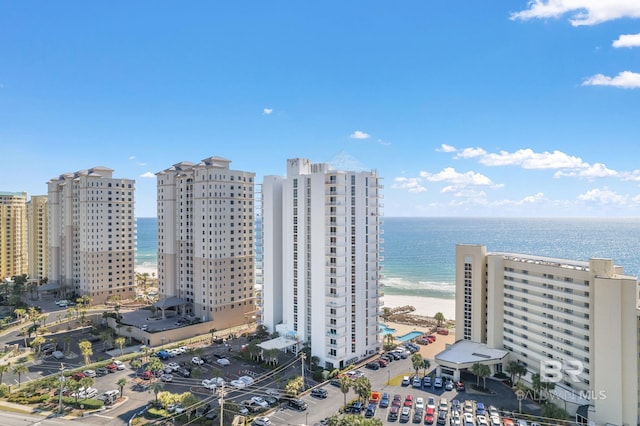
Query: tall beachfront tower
{"points": [[38, 219], [576, 322], [92, 234], [321, 260], [13, 234], [205, 241]]}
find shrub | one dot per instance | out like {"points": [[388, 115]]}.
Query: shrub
{"points": [[155, 413], [89, 404], [4, 390], [318, 376]]}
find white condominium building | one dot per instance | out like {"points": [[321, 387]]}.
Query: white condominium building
{"points": [[575, 323], [38, 219], [205, 241], [321, 260], [92, 234], [13, 234]]}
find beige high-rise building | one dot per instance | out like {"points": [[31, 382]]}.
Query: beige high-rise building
{"points": [[206, 258], [575, 323], [92, 234], [321, 258], [13, 234], [38, 220]]}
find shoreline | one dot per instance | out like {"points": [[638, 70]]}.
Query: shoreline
{"points": [[425, 306]]}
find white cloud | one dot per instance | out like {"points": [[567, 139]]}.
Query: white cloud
{"points": [[383, 142], [458, 180], [471, 153], [359, 135], [603, 196], [267, 111], [410, 184], [148, 175], [633, 176], [597, 170], [142, 164], [132, 157], [528, 159], [624, 80], [530, 199], [582, 12], [446, 148], [627, 40]]}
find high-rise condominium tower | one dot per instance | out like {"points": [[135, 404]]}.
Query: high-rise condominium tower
{"points": [[92, 234], [13, 234], [205, 241], [321, 260], [38, 218]]}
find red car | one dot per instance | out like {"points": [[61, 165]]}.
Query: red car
{"points": [[431, 338], [147, 375], [408, 401], [112, 368], [383, 362], [78, 376], [397, 400], [428, 417]]}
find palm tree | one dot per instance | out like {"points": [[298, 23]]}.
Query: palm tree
{"points": [[146, 351], [155, 364], [388, 340], [417, 361], [38, 341], [66, 341], [484, 372], [129, 333], [345, 385], [362, 387], [86, 350], [4, 368], [120, 341], [294, 385], [136, 363], [19, 313], [475, 369], [156, 388], [426, 364], [121, 384], [213, 332], [439, 317], [515, 371], [20, 369]]}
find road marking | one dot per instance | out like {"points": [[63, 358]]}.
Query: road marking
{"points": [[103, 416]]}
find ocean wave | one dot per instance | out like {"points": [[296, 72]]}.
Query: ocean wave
{"points": [[404, 284]]}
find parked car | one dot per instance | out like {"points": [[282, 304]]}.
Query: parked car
{"points": [[147, 375], [298, 404], [384, 400], [417, 415], [373, 365], [196, 360], [460, 386], [406, 381], [319, 393], [261, 421], [258, 400], [371, 410], [183, 372], [405, 414], [89, 373], [223, 362], [78, 376], [101, 371], [449, 385], [417, 382], [166, 378], [426, 382], [437, 383], [119, 364], [393, 413]]}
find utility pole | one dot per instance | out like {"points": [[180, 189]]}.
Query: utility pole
{"points": [[221, 404], [61, 389], [303, 356]]}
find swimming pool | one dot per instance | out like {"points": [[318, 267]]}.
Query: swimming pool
{"points": [[386, 330], [410, 336]]}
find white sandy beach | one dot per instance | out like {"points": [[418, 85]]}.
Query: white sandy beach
{"points": [[151, 270], [427, 306]]}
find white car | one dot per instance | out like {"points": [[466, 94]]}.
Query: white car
{"points": [[419, 403], [209, 384], [247, 380], [437, 383], [494, 421], [196, 360], [258, 400], [481, 421], [173, 366], [223, 361], [180, 408], [261, 421], [89, 373], [166, 378], [119, 364], [238, 384]]}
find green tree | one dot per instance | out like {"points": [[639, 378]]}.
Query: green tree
{"points": [[362, 387], [19, 369], [86, 350], [120, 341], [73, 386], [294, 385], [345, 385], [439, 317], [552, 411], [19, 313], [136, 364], [155, 364], [121, 384], [107, 339], [426, 365], [484, 371], [417, 361], [66, 341], [156, 388], [4, 368], [388, 340], [37, 342], [515, 371]]}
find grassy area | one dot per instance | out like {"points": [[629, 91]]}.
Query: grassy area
{"points": [[15, 410]]}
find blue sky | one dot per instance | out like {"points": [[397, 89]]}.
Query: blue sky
{"points": [[465, 108]]}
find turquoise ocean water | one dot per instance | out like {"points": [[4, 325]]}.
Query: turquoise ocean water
{"points": [[419, 253]]}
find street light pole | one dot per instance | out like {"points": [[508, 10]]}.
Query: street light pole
{"points": [[61, 389]]}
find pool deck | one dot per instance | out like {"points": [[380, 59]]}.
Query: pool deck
{"points": [[427, 351]]}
